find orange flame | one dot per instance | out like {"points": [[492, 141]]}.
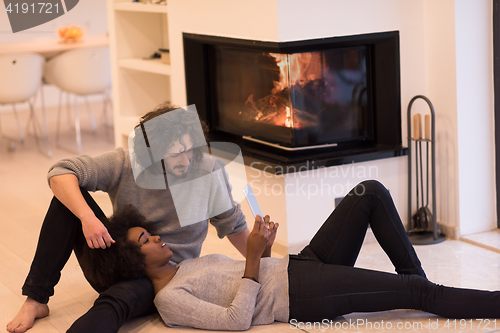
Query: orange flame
{"points": [[297, 68], [282, 62]]}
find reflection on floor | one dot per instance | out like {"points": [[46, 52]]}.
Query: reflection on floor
{"points": [[489, 240], [24, 198]]}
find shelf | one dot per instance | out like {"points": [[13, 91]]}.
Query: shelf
{"points": [[151, 66], [140, 7]]}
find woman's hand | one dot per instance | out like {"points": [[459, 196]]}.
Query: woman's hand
{"points": [[273, 228], [256, 245], [258, 239]]}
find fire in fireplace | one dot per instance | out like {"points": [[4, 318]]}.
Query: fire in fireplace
{"points": [[339, 94], [296, 100]]}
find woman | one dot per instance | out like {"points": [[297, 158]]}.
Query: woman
{"points": [[218, 293]]}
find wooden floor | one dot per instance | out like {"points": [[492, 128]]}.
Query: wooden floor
{"points": [[24, 198]]}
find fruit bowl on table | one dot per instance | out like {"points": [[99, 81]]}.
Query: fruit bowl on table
{"points": [[70, 34]]}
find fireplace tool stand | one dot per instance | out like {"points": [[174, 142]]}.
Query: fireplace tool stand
{"points": [[422, 225]]}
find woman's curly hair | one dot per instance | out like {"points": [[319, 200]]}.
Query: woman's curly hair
{"points": [[163, 132], [123, 260]]}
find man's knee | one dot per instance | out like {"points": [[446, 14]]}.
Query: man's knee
{"points": [[119, 303]]}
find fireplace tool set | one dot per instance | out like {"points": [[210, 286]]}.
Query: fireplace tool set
{"points": [[422, 225]]}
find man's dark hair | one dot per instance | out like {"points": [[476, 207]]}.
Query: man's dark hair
{"points": [[123, 260], [160, 134]]}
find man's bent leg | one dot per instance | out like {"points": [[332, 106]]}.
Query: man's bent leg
{"points": [[121, 302], [61, 232]]}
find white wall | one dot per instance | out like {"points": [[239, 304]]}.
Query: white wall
{"points": [[440, 60], [459, 72], [475, 115]]}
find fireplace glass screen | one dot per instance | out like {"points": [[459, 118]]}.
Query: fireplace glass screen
{"points": [[296, 99]]}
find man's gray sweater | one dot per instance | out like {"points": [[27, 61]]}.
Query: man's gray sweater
{"points": [[112, 173]]}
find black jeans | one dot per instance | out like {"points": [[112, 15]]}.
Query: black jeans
{"points": [[62, 233], [323, 283]]}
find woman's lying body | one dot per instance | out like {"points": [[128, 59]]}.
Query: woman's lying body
{"points": [[319, 283]]}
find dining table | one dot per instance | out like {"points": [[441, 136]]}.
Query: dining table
{"points": [[50, 47]]}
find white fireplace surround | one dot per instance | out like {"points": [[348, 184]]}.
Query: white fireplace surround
{"points": [[446, 54]]}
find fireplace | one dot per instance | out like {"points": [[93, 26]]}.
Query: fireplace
{"points": [[285, 103]]}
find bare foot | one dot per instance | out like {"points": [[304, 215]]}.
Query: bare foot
{"points": [[26, 316]]}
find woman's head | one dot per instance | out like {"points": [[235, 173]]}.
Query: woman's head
{"points": [[124, 259], [156, 252]]}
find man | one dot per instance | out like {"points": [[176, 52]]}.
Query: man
{"points": [[74, 219]]}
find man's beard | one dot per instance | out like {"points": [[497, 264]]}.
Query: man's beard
{"points": [[183, 174]]}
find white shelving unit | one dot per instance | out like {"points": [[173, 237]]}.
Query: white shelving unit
{"points": [[136, 31], [152, 66]]}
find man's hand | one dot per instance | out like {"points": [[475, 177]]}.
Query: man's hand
{"points": [[95, 233], [67, 190]]}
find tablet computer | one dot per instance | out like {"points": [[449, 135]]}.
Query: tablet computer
{"points": [[252, 201]]}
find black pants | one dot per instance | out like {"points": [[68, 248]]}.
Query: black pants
{"points": [[323, 283], [62, 233]]}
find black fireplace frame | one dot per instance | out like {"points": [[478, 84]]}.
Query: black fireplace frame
{"points": [[385, 97]]}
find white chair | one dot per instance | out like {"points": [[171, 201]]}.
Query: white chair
{"points": [[81, 72], [20, 80]]}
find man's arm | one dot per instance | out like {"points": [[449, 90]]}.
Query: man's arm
{"points": [[239, 241], [67, 191]]}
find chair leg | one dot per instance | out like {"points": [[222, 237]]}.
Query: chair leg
{"points": [[69, 114], [77, 127], [105, 103], [91, 115], [30, 118], [44, 117], [19, 127], [37, 130], [59, 110], [72, 118], [107, 123]]}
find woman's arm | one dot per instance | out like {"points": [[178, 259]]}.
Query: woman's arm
{"points": [[239, 241], [180, 308], [256, 245]]}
